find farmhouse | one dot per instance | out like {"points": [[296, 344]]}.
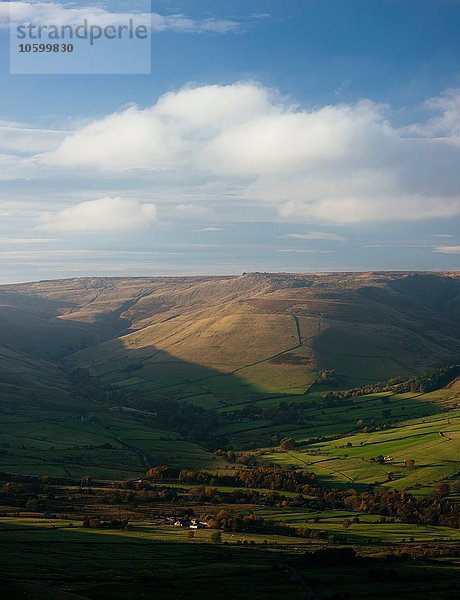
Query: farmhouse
{"points": [[198, 524], [182, 523]]}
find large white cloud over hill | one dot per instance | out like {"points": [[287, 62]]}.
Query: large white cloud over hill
{"points": [[343, 163]]}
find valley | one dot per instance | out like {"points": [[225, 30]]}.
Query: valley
{"points": [[124, 401]]}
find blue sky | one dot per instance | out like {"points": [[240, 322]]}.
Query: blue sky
{"points": [[295, 135]]}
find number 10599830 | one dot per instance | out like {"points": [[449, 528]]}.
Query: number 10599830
{"points": [[33, 48]]}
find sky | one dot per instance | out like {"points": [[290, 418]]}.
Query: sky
{"points": [[270, 135]]}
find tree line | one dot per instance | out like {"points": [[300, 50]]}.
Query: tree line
{"points": [[425, 382], [270, 478]]}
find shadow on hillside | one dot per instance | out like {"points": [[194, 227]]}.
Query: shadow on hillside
{"points": [[148, 378], [44, 328], [407, 326], [150, 375], [140, 567]]}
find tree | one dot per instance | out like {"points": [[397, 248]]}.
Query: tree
{"points": [[326, 377], [288, 444], [216, 537], [441, 491]]}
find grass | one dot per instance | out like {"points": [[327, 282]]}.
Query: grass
{"points": [[406, 580], [347, 459], [58, 443], [221, 344], [368, 531], [329, 421], [150, 562], [95, 560]]}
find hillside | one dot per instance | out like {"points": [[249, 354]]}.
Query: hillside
{"points": [[90, 362], [299, 434], [268, 331]]}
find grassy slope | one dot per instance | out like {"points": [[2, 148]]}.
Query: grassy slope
{"points": [[433, 442], [50, 440], [266, 333], [153, 562], [219, 342]]}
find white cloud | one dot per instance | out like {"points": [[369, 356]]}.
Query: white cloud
{"points": [[209, 229], [378, 208], [446, 121], [167, 135], [283, 141], [13, 167], [315, 235], [61, 13], [447, 249], [103, 214], [191, 209], [15, 138], [131, 139], [307, 251], [335, 164], [27, 241], [183, 24]]}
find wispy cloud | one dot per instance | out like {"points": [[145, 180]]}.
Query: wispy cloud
{"points": [[307, 251], [209, 229], [27, 241], [447, 249], [316, 235], [17, 139], [191, 209], [61, 13]]}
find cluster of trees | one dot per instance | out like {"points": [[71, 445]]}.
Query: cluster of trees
{"points": [[85, 385], [96, 523], [212, 495], [426, 382], [438, 508], [392, 386], [283, 414], [246, 522], [288, 444], [193, 423], [435, 509], [327, 377], [434, 379], [270, 478]]}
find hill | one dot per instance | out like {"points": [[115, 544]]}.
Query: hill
{"points": [[296, 433], [97, 361], [270, 330]]}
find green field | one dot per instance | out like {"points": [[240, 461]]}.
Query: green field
{"points": [[92, 441], [433, 442], [228, 379], [149, 562]]}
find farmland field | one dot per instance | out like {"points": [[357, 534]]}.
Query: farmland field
{"points": [[294, 435]]}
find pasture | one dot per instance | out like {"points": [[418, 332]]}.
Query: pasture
{"points": [[432, 442], [150, 562], [102, 443]]}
